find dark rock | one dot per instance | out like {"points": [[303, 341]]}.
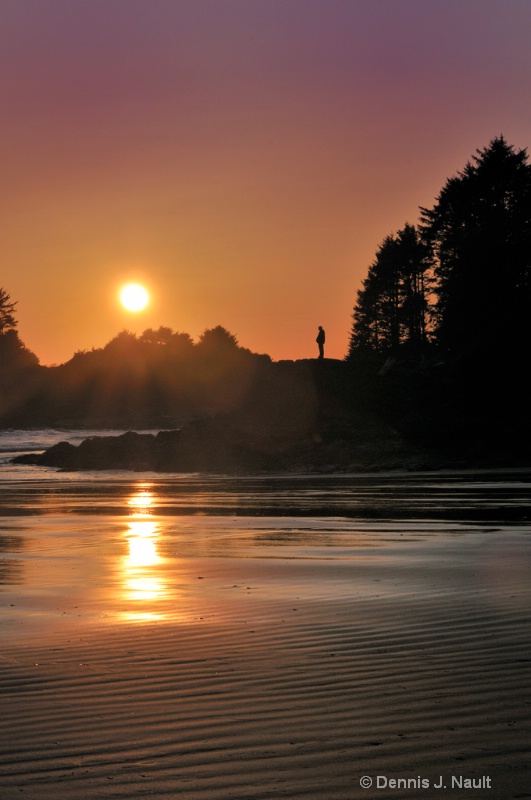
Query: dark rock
{"points": [[229, 445]]}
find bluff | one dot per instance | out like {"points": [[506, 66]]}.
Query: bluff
{"points": [[297, 416]]}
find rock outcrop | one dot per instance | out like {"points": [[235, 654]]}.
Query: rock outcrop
{"points": [[302, 417]]}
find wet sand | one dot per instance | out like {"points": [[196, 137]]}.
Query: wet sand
{"points": [[148, 653]]}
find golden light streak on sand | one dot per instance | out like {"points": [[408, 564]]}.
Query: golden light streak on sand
{"points": [[143, 587], [142, 501]]}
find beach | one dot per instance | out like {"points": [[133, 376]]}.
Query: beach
{"points": [[163, 637]]}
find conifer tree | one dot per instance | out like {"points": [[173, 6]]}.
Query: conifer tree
{"points": [[480, 233], [392, 309], [7, 308]]}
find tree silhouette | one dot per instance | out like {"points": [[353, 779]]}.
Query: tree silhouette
{"points": [[415, 284], [480, 233], [471, 253], [14, 355], [7, 308], [218, 339], [162, 335], [392, 307], [375, 324]]}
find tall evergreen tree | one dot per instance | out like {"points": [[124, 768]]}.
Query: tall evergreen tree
{"points": [[480, 232], [392, 307], [415, 265], [375, 326]]}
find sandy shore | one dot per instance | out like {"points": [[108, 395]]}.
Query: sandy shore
{"points": [[256, 659]]}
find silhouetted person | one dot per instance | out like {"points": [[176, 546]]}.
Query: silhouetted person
{"points": [[321, 341]]}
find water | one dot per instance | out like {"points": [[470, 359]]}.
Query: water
{"points": [[458, 495], [114, 543]]}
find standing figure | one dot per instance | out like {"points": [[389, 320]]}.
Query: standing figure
{"points": [[320, 341]]}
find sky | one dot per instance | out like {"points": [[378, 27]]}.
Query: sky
{"points": [[243, 159]]}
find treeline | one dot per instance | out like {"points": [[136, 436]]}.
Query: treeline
{"points": [[158, 378], [459, 282], [238, 409]]}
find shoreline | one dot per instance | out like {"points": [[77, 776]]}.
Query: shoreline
{"points": [[205, 447], [482, 496]]}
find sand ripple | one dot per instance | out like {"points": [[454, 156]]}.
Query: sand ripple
{"points": [[283, 658]]}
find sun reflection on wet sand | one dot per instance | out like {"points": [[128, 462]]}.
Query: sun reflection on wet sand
{"points": [[144, 587], [143, 501]]}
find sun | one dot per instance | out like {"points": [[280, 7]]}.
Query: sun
{"points": [[134, 297]]}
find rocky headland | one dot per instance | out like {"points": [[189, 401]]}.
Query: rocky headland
{"points": [[305, 416], [308, 416]]}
